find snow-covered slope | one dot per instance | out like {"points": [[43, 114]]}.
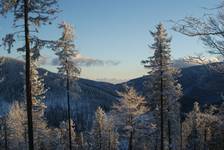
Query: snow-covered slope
{"points": [[198, 84], [84, 101]]}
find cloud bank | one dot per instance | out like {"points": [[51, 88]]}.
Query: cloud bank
{"points": [[193, 61], [88, 61]]}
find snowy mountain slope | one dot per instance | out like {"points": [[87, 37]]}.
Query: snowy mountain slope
{"points": [[198, 84], [83, 101]]}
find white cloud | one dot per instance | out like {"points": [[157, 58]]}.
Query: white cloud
{"points": [[182, 63], [88, 61], [192, 61]]}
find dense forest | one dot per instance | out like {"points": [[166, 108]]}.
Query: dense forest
{"points": [[41, 110]]}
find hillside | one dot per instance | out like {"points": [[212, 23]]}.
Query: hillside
{"points": [[84, 100], [198, 84]]}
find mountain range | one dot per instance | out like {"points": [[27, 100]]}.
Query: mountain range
{"points": [[198, 83]]}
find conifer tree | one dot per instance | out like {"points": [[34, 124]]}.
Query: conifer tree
{"points": [[64, 142], [198, 129], [98, 132], [217, 141], [65, 50], [38, 94], [112, 135], [165, 90], [33, 14], [16, 124], [126, 113], [104, 135]]}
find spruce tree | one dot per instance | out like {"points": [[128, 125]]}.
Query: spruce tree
{"points": [[64, 142], [98, 131], [33, 13], [127, 112], [112, 135], [65, 50], [104, 135], [38, 95], [163, 90], [199, 129], [16, 126], [219, 131]]}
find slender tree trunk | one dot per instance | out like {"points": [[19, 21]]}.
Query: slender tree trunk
{"points": [[5, 134], [82, 141], [28, 81], [161, 103], [109, 142], [181, 136], [69, 112], [222, 141], [205, 139], [130, 145], [100, 138], [169, 135]]}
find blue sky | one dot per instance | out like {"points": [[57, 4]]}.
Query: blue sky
{"points": [[118, 30]]}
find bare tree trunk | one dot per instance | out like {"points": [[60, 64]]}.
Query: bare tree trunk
{"points": [[181, 136], [205, 139], [5, 134], [100, 138], [109, 142], [169, 135], [28, 81], [130, 144], [161, 103], [69, 112]]}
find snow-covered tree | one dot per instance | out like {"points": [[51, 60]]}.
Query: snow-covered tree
{"points": [[216, 129], [64, 142], [111, 135], [65, 50], [38, 86], [28, 15], [197, 129], [40, 129], [98, 131], [17, 127], [163, 90], [104, 135], [127, 112]]}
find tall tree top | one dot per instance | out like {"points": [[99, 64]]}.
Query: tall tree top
{"points": [[160, 34], [65, 50], [161, 48], [40, 12]]}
